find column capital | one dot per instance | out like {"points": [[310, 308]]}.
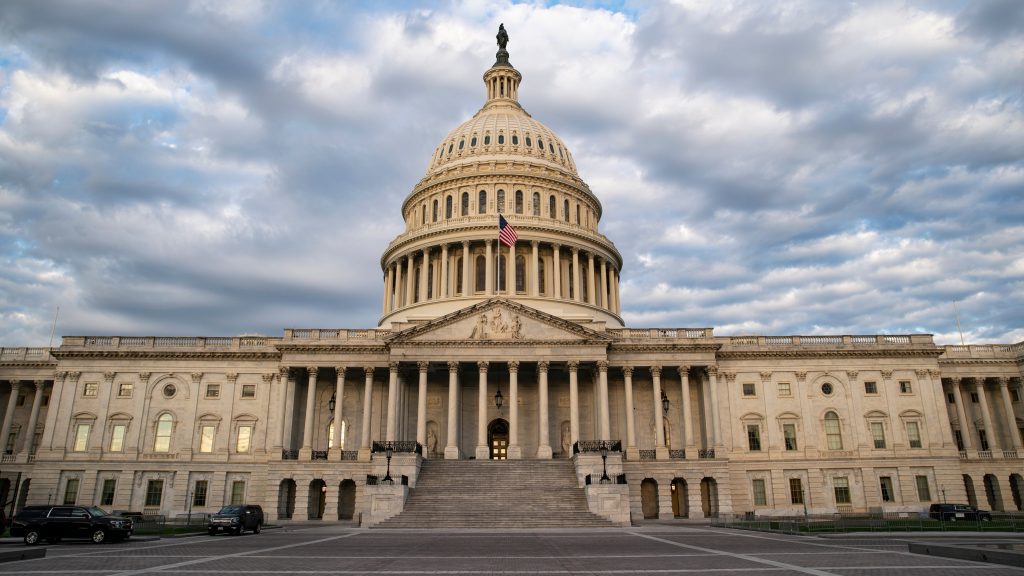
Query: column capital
{"points": [[15, 385], [534, 243], [922, 373], [39, 384], [453, 366], [556, 246], [936, 374], [766, 378], [656, 371], [852, 375], [340, 369], [801, 377], [1004, 382], [627, 371], [197, 377], [575, 250], [368, 371], [886, 375], [730, 377], [283, 371], [312, 371], [59, 375], [73, 376], [684, 370], [979, 382], [108, 377], [602, 365], [513, 366], [393, 366], [712, 370], [232, 377], [543, 366], [465, 244], [423, 366], [574, 365], [482, 365], [144, 378], [267, 378]]}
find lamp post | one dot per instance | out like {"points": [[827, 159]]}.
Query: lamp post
{"points": [[499, 400], [604, 463], [388, 451], [664, 403], [332, 403]]}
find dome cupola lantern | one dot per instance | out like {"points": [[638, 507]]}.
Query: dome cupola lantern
{"points": [[502, 79]]}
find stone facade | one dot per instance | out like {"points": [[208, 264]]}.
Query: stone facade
{"points": [[487, 352]]}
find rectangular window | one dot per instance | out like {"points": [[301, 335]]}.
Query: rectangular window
{"points": [[117, 434], [913, 435], [905, 387], [959, 440], [984, 439], [71, 491], [206, 439], [213, 390], [248, 390], [82, 437], [789, 433], [237, 492], [125, 389], [749, 390], [924, 494], [754, 437], [107, 497], [154, 492], [974, 397], [841, 487], [878, 433], [90, 389], [796, 491], [760, 497], [244, 435], [199, 493], [886, 487], [870, 388], [785, 389], [951, 398]]}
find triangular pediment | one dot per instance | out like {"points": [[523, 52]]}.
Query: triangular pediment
{"points": [[499, 320]]}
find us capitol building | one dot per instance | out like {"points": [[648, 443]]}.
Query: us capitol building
{"points": [[485, 352]]}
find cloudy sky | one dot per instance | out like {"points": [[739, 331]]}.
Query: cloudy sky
{"points": [[224, 167]]}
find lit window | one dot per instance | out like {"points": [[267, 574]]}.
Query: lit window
{"points": [[213, 390], [244, 436], [913, 435], [248, 390], [501, 201], [448, 208], [464, 207], [154, 492], [90, 390], [199, 493], [125, 389], [833, 432], [107, 495], [841, 487], [760, 494], [163, 433], [789, 433], [71, 492], [117, 435], [796, 491], [551, 207], [82, 437], [749, 389], [754, 437], [481, 202], [924, 493], [519, 201], [870, 388], [237, 492], [878, 434], [536, 208], [885, 485], [905, 387], [207, 434], [785, 389]]}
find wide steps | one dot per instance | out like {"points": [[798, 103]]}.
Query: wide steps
{"points": [[496, 494]]}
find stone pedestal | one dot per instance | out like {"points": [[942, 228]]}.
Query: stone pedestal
{"points": [[610, 501], [482, 453], [452, 453], [661, 452], [382, 502], [365, 455], [544, 453], [515, 452]]}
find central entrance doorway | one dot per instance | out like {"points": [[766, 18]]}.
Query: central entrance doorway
{"points": [[497, 439]]}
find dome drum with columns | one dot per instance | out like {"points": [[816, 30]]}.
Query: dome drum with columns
{"points": [[501, 161]]}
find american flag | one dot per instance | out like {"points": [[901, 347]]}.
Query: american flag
{"points": [[506, 233]]}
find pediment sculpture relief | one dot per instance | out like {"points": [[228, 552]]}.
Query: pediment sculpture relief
{"points": [[498, 327]]}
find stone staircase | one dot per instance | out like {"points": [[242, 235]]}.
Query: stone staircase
{"points": [[496, 494]]}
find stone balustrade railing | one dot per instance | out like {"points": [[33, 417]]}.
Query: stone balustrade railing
{"points": [[845, 340], [25, 355], [661, 333], [317, 334], [983, 351], [223, 343]]}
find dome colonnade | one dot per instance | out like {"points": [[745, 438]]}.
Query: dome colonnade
{"points": [[501, 161]]}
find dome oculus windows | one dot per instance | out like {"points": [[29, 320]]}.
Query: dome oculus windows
{"points": [[487, 139], [501, 138], [515, 140]]}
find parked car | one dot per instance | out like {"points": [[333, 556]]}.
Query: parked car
{"points": [[954, 512], [236, 518], [53, 523]]}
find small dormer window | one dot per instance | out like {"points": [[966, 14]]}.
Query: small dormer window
{"points": [[515, 140], [472, 142], [529, 141], [501, 138], [540, 144], [462, 144], [551, 147], [487, 139], [450, 147]]}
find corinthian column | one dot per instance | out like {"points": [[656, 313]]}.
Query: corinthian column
{"points": [[544, 442], [423, 273], [445, 281], [659, 431], [451, 449], [465, 269], [339, 403], [1011, 417], [990, 430], [307, 434], [556, 271], [421, 405], [576, 276], [483, 451], [392, 425], [602, 393], [684, 383], [604, 284], [590, 280], [30, 432], [489, 281], [515, 452], [364, 438], [574, 402], [535, 269], [410, 281]]}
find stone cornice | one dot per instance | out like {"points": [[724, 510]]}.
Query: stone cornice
{"points": [[806, 353], [376, 347], [28, 364], [666, 347], [952, 362], [169, 354]]}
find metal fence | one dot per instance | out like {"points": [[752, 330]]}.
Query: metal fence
{"points": [[885, 522]]}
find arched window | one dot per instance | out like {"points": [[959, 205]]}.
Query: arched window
{"points": [[540, 275], [536, 203], [458, 276], [501, 201], [572, 287], [416, 285], [584, 275], [433, 212], [499, 273], [450, 146], [501, 138], [519, 201], [448, 208], [163, 433], [833, 432], [430, 281], [515, 140], [540, 144], [464, 211], [481, 273], [330, 434], [481, 202], [565, 209], [462, 144], [487, 139], [529, 142], [551, 207], [577, 214], [424, 212], [520, 274], [472, 142]]}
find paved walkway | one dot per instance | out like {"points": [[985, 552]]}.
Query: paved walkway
{"points": [[644, 550]]}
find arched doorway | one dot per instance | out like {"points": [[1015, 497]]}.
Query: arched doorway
{"points": [[972, 496], [680, 499], [286, 499], [992, 494], [346, 500], [317, 499], [709, 497], [649, 497], [497, 438], [1017, 490]]}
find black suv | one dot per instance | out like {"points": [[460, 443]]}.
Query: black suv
{"points": [[52, 523], [954, 512], [235, 518]]}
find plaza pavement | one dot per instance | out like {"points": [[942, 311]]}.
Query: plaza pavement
{"points": [[659, 549]]}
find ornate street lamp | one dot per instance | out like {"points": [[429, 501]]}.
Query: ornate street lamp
{"points": [[604, 463], [332, 403], [664, 403], [498, 399], [388, 452]]}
